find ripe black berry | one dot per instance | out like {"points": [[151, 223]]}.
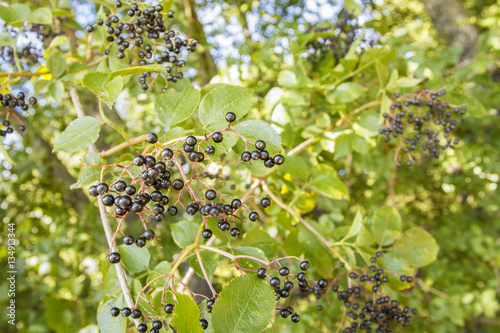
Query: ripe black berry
{"points": [[152, 138], [235, 232], [304, 265], [284, 271], [322, 283], [167, 154], [157, 325], [149, 234], [265, 202], [169, 308], [207, 233], [191, 140], [114, 312], [210, 150], [139, 160], [284, 313], [102, 188], [217, 137], [236, 203], [255, 155], [172, 210], [302, 276], [288, 285], [140, 242], [295, 318], [136, 313], [210, 195], [278, 159], [178, 184], [130, 190], [126, 312], [260, 145], [269, 163], [274, 282], [224, 226], [253, 216], [230, 117], [261, 272], [114, 258], [93, 191], [108, 200], [120, 186], [142, 328], [204, 323], [150, 161], [128, 240], [246, 156]]}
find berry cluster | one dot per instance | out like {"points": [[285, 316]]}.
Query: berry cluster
{"points": [[143, 31], [362, 285], [13, 104], [339, 41], [422, 120], [162, 178]]}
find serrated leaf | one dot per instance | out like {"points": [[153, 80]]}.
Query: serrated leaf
{"points": [[224, 99], [287, 79], [185, 318], [254, 130], [386, 225], [245, 305], [417, 247], [348, 92], [184, 233], [112, 324], [14, 13], [134, 259], [160, 269], [249, 251], [173, 108], [136, 70], [56, 90], [56, 63], [356, 226], [89, 175], [80, 133], [259, 238], [41, 16]]}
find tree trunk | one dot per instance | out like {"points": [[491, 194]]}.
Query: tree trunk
{"points": [[444, 15]]}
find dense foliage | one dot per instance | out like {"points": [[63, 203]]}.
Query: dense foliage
{"points": [[235, 166]]}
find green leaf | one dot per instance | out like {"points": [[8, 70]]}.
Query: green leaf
{"points": [[184, 233], [58, 41], [352, 7], [90, 174], [348, 92], [111, 324], [249, 251], [259, 238], [160, 269], [173, 108], [209, 260], [41, 16], [408, 82], [136, 70], [386, 225], [254, 130], [417, 247], [185, 318], [246, 305], [382, 73], [56, 90], [287, 79], [80, 133], [56, 63], [224, 99], [330, 186], [134, 259], [356, 226], [14, 13], [100, 84], [6, 39]]}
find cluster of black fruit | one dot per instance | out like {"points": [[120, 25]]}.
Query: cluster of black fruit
{"points": [[12, 102], [29, 52], [382, 312], [158, 176], [145, 31], [338, 43], [430, 130], [284, 292]]}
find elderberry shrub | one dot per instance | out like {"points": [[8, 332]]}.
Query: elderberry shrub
{"points": [[360, 290], [421, 120], [11, 105], [142, 34], [169, 181]]}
